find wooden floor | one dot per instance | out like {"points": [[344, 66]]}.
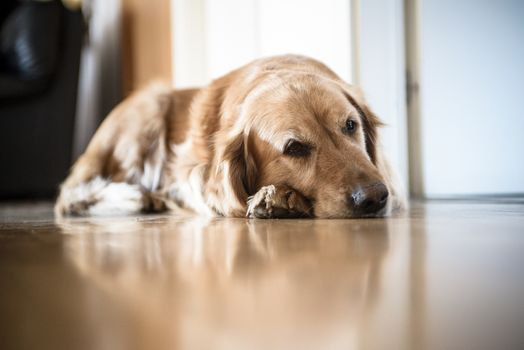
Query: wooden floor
{"points": [[446, 275]]}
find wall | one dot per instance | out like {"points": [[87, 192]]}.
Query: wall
{"points": [[212, 37], [382, 74], [100, 78], [472, 108]]}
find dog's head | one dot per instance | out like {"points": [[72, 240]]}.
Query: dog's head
{"points": [[313, 133]]}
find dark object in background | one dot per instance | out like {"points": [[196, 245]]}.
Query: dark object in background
{"points": [[40, 45]]}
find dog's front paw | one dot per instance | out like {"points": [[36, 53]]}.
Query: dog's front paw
{"points": [[278, 202], [261, 204]]}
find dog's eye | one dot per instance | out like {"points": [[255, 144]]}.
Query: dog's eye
{"points": [[350, 127], [294, 148]]}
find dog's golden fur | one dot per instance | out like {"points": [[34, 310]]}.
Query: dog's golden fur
{"points": [[220, 150]]}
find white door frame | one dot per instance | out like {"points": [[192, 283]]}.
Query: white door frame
{"points": [[412, 33]]}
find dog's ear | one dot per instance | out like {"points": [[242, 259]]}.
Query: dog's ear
{"points": [[233, 176], [242, 168], [371, 124], [370, 121]]}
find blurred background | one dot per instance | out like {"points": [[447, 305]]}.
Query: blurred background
{"points": [[445, 76]]}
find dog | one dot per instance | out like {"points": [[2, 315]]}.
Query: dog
{"points": [[281, 137]]}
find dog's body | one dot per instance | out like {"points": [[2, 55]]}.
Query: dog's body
{"points": [[280, 137]]}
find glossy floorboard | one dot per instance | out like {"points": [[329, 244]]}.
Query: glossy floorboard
{"points": [[446, 275]]}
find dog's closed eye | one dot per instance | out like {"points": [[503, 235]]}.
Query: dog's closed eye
{"points": [[294, 148]]}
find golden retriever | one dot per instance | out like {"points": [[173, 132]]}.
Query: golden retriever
{"points": [[279, 137]]}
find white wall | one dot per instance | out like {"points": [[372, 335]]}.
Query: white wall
{"points": [[211, 37], [472, 105], [382, 74]]}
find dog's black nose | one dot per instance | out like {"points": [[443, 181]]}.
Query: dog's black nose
{"points": [[369, 199]]}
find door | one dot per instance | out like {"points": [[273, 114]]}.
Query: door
{"points": [[471, 66]]}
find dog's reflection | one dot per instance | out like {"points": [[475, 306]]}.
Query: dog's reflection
{"points": [[233, 283]]}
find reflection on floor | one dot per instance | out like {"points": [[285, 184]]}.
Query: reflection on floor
{"points": [[446, 275]]}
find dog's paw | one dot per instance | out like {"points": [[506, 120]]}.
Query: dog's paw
{"points": [[76, 208], [261, 204], [278, 202], [153, 202]]}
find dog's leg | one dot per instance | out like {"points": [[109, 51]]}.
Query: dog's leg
{"points": [[278, 201], [121, 170], [101, 197]]}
